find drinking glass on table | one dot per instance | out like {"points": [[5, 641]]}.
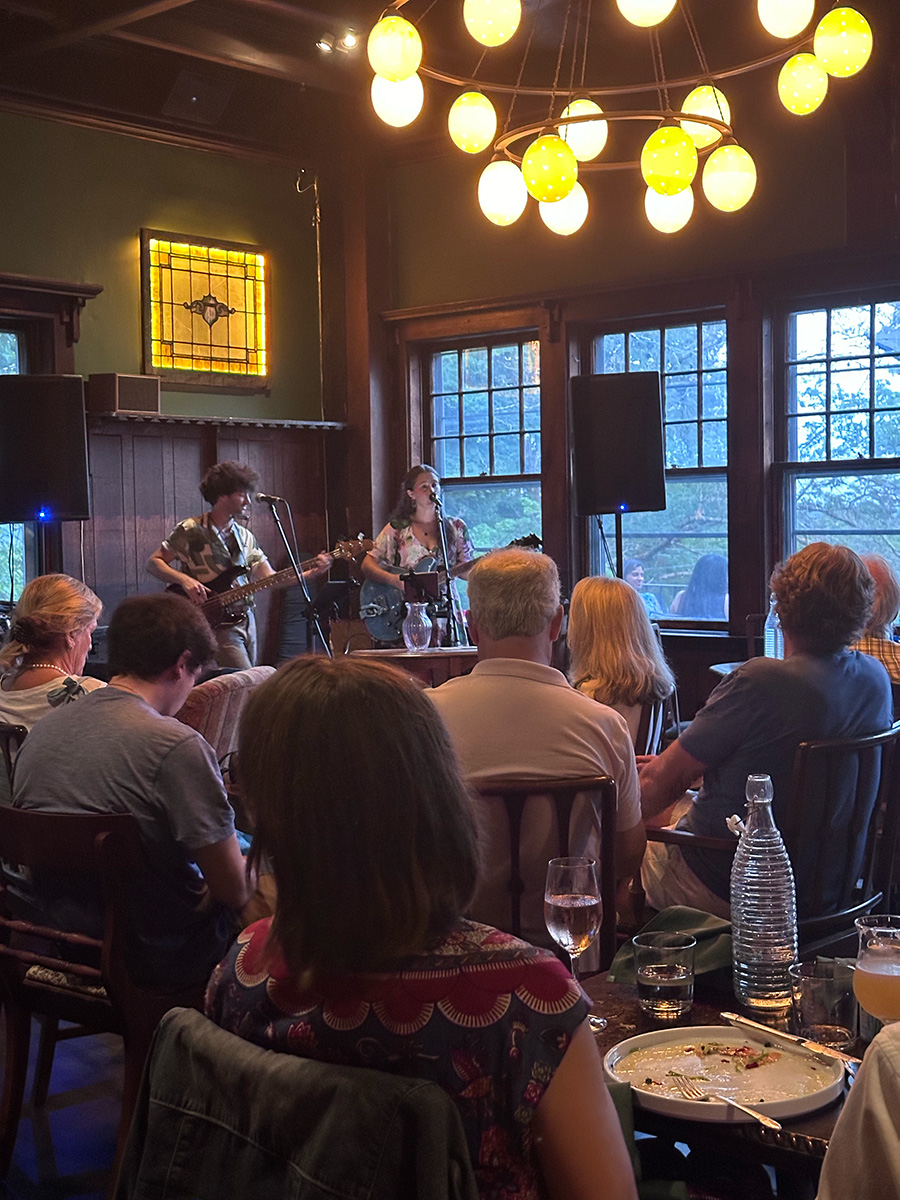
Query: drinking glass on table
{"points": [[572, 907], [664, 967], [876, 980]]}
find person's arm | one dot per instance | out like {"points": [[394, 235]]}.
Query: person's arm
{"points": [[630, 846], [372, 570], [577, 1135], [158, 566], [666, 777], [225, 871]]}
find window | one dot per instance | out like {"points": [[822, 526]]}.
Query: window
{"points": [[842, 427], [12, 537], [485, 414], [688, 541]]}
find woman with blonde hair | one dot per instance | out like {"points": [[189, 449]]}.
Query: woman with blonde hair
{"points": [[615, 656], [369, 960], [43, 658]]}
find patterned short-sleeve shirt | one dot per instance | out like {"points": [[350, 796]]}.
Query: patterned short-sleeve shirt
{"points": [[483, 1014], [204, 553]]}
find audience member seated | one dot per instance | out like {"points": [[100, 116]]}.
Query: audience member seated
{"points": [[615, 657], [706, 596], [755, 719], [633, 574], [518, 717], [368, 961], [863, 1156], [878, 636], [120, 749], [49, 640]]}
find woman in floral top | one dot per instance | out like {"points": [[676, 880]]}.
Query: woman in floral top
{"points": [[368, 960]]}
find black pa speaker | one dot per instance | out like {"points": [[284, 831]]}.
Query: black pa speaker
{"points": [[43, 449], [617, 443]]}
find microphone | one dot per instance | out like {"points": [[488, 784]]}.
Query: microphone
{"points": [[434, 497], [264, 499]]}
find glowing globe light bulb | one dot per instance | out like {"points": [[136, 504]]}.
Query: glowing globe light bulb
{"points": [[549, 168], [645, 13], [843, 42], [502, 194], [705, 101], [394, 48], [668, 214], [729, 177], [492, 22], [785, 18], [566, 216], [587, 138], [802, 84], [472, 122], [397, 103], [669, 160]]}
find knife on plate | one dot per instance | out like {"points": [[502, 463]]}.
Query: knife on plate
{"points": [[790, 1039]]}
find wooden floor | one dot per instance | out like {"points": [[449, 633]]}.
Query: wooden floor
{"points": [[66, 1149]]}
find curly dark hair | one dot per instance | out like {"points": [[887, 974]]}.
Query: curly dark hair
{"points": [[148, 634], [225, 478], [823, 596]]}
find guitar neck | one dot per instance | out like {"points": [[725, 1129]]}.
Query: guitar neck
{"points": [[280, 578]]}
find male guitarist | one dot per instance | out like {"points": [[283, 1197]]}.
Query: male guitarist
{"points": [[209, 545]]}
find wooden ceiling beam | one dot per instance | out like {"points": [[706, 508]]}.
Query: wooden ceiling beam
{"points": [[106, 17]]}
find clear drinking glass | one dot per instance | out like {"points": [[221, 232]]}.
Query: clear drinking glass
{"points": [[876, 980], [572, 909]]}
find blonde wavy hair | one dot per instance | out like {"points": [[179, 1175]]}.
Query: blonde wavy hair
{"points": [[50, 607], [615, 656]]}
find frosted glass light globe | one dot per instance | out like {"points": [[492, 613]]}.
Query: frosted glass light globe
{"points": [[705, 101], [566, 216], [472, 122], [668, 214], [669, 160], [785, 18], [502, 194], [843, 42], [645, 13], [394, 48], [729, 177], [587, 138], [397, 103], [549, 168], [802, 84], [492, 22]]}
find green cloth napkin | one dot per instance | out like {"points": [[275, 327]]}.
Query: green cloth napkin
{"points": [[713, 941]]}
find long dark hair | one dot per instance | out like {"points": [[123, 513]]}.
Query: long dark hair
{"points": [[704, 596], [358, 802], [405, 507]]}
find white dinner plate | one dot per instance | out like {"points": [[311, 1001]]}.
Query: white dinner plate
{"points": [[793, 1084]]}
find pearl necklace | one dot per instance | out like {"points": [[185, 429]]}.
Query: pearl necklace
{"points": [[48, 666]]}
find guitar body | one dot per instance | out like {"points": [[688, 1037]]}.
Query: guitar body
{"points": [[384, 606], [219, 615]]}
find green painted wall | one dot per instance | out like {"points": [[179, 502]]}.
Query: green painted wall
{"points": [[73, 202]]}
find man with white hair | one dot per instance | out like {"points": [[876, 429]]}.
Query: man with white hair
{"points": [[517, 716]]}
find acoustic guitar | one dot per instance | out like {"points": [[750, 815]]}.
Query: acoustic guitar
{"points": [[224, 607]]}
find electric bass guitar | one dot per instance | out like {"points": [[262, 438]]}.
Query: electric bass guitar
{"points": [[225, 607], [383, 607]]}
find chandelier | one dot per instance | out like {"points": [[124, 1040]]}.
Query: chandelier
{"points": [[547, 156]]}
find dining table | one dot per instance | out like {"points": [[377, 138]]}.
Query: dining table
{"points": [[795, 1152]]}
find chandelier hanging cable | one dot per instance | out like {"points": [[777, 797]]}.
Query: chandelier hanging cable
{"points": [[545, 157]]}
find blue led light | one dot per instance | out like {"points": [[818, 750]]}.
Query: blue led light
{"points": [[44, 514]]}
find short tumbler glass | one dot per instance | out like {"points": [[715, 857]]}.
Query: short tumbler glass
{"points": [[664, 966], [823, 1003]]}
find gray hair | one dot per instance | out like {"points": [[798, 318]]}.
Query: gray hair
{"points": [[513, 593]]}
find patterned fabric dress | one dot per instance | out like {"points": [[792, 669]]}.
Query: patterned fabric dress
{"points": [[483, 1014]]}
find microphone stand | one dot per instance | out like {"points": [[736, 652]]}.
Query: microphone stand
{"points": [[311, 613], [456, 631]]}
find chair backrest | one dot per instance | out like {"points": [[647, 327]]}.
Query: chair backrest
{"points": [[655, 716], [513, 794], [842, 794], [214, 708], [11, 738]]}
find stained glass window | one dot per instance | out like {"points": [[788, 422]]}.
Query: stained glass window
{"points": [[204, 310]]}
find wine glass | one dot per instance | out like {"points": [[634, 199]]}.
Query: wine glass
{"points": [[572, 909], [876, 980]]}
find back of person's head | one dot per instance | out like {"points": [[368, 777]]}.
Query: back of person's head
{"points": [[615, 655], [886, 604], [707, 588], [357, 801], [406, 506], [513, 593], [148, 635], [824, 596], [49, 608], [225, 478]]}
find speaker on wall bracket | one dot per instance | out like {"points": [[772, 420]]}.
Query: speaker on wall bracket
{"points": [[43, 449], [617, 445], [136, 395]]}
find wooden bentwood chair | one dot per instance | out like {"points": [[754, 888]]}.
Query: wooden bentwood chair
{"points": [[96, 992], [840, 826], [513, 795]]}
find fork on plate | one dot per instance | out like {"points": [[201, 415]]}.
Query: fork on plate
{"points": [[690, 1091]]}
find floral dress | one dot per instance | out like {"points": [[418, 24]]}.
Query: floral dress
{"points": [[483, 1014]]}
